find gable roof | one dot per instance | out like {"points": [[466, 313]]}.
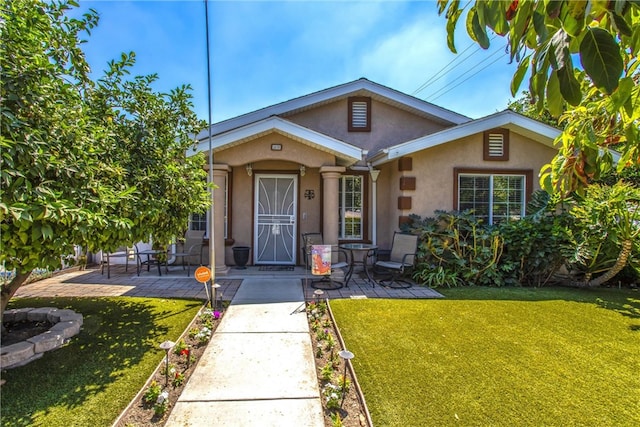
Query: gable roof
{"points": [[346, 154], [507, 119], [356, 87]]}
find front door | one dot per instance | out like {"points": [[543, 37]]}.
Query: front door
{"points": [[275, 219]]}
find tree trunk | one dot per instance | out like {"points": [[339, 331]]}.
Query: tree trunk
{"points": [[623, 257], [10, 289]]}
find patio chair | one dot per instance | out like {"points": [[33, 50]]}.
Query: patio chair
{"points": [[149, 257], [121, 252], [401, 261], [191, 251]]}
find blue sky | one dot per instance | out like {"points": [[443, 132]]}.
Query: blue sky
{"points": [[266, 52]]}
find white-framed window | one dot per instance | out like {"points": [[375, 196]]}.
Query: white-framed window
{"points": [[198, 222], [351, 207], [494, 197]]}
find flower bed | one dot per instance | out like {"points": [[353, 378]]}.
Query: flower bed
{"points": [[343, 405], [154, 403]]}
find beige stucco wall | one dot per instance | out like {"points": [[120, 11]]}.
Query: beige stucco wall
{"points": [[434, 172], [258, 153], [433, 169], [259, 149], [389, 125]]}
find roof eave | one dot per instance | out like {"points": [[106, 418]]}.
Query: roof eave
{"points": [[346, 152]]}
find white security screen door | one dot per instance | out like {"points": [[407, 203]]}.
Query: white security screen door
{"points": [[275, 219]]}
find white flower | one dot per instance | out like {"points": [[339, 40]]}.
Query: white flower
{"points": [[162, 397]]}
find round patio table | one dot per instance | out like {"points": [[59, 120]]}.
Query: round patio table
{"points": [[359, 252]]}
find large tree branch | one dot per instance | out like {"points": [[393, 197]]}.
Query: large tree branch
{"points": [[9, 290]]}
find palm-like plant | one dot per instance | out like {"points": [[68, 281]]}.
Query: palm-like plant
{"points": [[608, 222]]}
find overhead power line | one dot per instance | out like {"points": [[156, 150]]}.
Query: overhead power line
{"points": [[449, 89], [459, 58]]}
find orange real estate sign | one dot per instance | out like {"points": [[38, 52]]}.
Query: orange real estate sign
{"points": [[202, 274]]}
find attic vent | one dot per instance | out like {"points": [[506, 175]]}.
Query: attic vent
{"points": [[359, 117], [496, 145], [359, 114]]}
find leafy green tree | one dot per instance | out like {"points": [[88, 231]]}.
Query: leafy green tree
{"points": [[526, 106], [598, 104], [97, 164], [606, 220]]}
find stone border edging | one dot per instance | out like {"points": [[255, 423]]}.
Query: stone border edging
{"points": [[67, 323], [351, 370]]}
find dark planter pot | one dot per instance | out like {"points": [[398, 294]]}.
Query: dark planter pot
{"points": [[241, 256]]}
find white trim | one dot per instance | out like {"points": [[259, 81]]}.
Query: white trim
{"points": [[539, 131], [334, 93], [276, 124]]}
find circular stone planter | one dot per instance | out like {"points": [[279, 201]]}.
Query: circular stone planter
{"points": [[67, 323]]}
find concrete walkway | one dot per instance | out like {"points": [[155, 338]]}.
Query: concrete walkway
{"points": [[258, 368]]}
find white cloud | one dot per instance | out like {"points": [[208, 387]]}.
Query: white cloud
{"points": [[407, 58]]}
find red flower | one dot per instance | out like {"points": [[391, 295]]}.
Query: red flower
{"points": [[184, 352]]}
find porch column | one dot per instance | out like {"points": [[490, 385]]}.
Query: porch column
{"points": [[330, 214], [220, 175], [374, 215]]}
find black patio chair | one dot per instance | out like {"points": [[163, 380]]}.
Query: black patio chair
{"points": [[121, 252], [401, 261]]}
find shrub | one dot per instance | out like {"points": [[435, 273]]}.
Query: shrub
{"points": [[536, 246], [457, 246]]}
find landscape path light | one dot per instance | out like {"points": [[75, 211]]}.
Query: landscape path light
{"points": [[318, 294], [166, 346], [346, 355], [215, 287]]}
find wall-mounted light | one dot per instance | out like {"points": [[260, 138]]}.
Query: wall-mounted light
{"points": [[303, 170], [249, 169]]}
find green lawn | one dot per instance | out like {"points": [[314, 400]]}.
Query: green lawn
{"points": [[92, 379], [498, 357]]}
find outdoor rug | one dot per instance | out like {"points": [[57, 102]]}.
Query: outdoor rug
{"points": [[276, 268]]}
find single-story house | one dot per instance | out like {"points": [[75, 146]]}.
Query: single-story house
{"points": [[353, 161]]}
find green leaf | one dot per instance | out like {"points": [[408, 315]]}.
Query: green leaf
{"points": [[47, 232], [452, 19], [521, 71], [569, 86], [601, 59], [621, 97], [555, 102], [622, 25], [537, 85], [476, 31], [496, 18], [572, 16], [560, 56]]}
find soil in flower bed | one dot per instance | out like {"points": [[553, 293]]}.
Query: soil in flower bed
{"points": [[15, 332], [183, 358], [340, 409], [330, 370]]}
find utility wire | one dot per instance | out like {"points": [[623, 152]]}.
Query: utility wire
{"points": [[441, 73], [474, 74], [458, 77], [435, 77]]}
